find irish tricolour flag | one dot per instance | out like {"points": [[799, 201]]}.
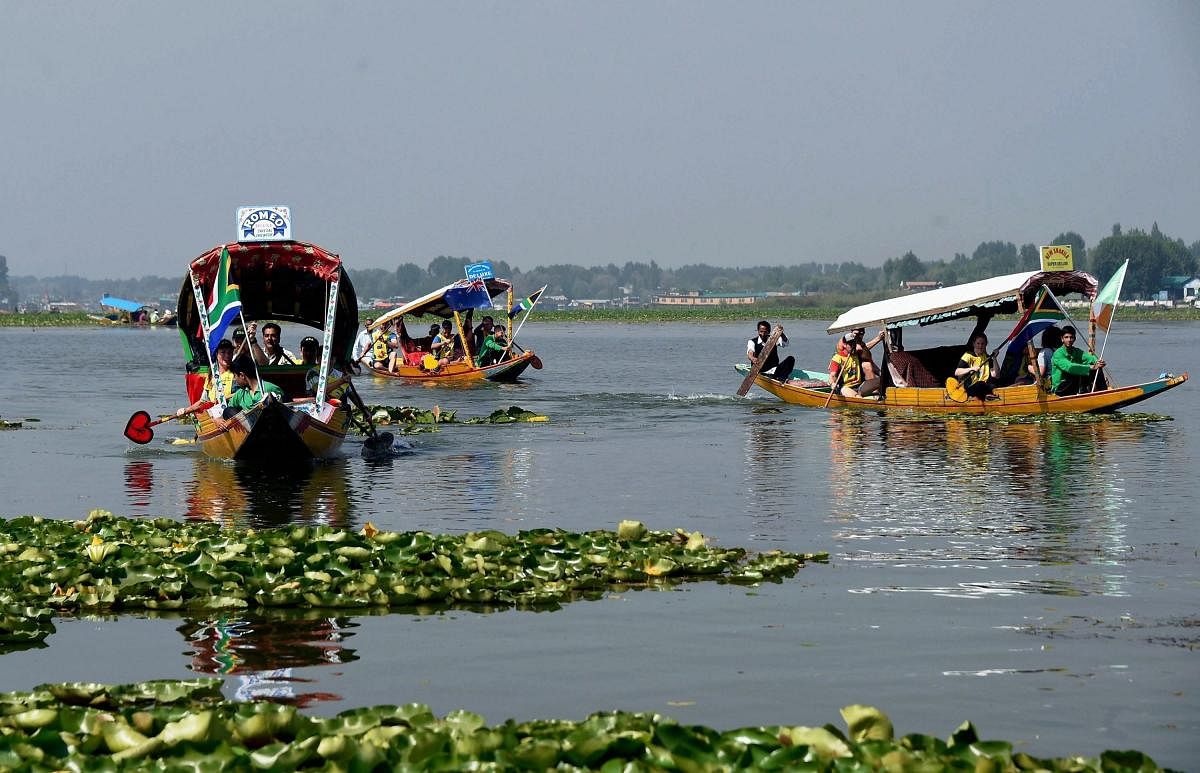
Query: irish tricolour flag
{"points": [[224, 304], [1106, 300]]}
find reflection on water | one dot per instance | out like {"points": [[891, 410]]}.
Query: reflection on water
{"points": [[139, 483], [263, 652], [770, 463], [971, 492], [260, 497]]}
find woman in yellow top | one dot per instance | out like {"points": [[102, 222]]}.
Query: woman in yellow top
{"points": [[846, 372], [224, 380], [976, 370]]}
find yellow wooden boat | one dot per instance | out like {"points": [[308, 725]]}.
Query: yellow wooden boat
{"points": [[448, 303], [1000, 295], [1013, 401]]}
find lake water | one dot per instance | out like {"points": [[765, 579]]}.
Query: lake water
{"points": [[1039, 578]]}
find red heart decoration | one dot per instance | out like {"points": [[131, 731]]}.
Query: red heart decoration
{"points": [[138, 428]]}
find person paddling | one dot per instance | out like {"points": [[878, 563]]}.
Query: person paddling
{"points": [[223, 382], [780, 370], [250, 390]]}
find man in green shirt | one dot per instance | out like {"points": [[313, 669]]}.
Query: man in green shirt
{"points": [[249, 391], [1071, 369], [493, 348]]}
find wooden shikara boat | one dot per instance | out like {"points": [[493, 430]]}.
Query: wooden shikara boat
{"points": [[443, 304], [287, 282], [1001, 295]]}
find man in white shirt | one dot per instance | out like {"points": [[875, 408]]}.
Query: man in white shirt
{"points": [[772, 366]]}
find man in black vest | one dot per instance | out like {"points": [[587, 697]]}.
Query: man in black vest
{"points": [[772, 367]]}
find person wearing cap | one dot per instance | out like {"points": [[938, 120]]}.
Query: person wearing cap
{"points": [[443, 346], [1072, 369], [223, 381], [863, 350], [846, 371], [777, 369]]}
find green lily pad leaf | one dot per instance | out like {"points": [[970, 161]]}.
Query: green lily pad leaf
{"points": [[819, 739], [193, 728], [630, 531], [867, 723]]}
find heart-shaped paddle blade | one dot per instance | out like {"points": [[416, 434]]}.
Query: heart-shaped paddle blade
{"points": [[138, 429], [536, 362]]}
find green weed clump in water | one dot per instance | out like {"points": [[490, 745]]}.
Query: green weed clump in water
{"points": [[188, 725], [411, 421], [107, 563]]}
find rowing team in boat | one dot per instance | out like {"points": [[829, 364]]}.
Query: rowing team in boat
{"points": [[385, 348], [1059, 367]]}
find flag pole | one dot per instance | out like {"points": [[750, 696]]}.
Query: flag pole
{"points": [[257, 377], [1116, 298], [202, 308], [513, 337]]}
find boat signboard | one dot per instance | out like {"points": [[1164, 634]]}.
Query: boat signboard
{"points": [[264, 224], [1057, 257], [481, 270]]}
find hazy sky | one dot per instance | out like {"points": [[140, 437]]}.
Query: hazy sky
{"points": [[729, 133]]}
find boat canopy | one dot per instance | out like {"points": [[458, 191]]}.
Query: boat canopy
{"points": [[460, 296], [283, 281], [997, 295], [121, 304]]}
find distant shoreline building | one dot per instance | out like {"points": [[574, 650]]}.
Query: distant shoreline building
{"points": [[917, 287], [698, 298]]}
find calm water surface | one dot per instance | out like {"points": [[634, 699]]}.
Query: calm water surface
{"points": [[1039, 578]]}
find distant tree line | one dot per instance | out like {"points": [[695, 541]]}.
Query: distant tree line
{"points": [[1153, 256], [8, 296]]}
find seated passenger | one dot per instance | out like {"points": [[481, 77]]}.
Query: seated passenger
{"points": [[481, 332], [1051, 340], [845, 371], [410, 348], [222, 383], [976, 370], [445, 343], [271, 352], [336, 382], [250, 391], [1072, 370], [493, 348], [863, 350]]}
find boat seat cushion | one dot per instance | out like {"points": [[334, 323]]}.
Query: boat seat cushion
{"points": [[907, 370]]}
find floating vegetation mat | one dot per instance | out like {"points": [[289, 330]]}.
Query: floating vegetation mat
{"points": [[108, 563], [187, 725], [410, 421]]}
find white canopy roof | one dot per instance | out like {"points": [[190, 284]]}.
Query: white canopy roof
{"points": [[435, 302], [952, 301]]}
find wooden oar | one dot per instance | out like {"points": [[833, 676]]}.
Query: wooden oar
{"points": [[138, 427], [376, 442], [535, 361], [768, 347], [837, 383]]}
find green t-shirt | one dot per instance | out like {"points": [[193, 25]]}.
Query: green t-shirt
{"points": [[489, 345], [243, 398]]}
